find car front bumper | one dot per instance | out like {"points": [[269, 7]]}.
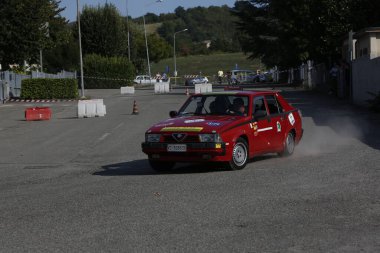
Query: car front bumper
{"points": [[195, 152]]}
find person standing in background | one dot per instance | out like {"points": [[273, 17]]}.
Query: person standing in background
{"points": [[220, 76]]}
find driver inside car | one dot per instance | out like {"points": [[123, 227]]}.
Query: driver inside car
{"points": [[238, 107]]}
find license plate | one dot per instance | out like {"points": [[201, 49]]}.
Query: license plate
{"points": [[176, 148]]}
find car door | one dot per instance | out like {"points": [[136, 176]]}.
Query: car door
{"points": [[277, 122], [261, 126]]}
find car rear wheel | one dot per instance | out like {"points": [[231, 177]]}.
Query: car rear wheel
{"points": [[239, 155], [161, 166], [289, 145]]}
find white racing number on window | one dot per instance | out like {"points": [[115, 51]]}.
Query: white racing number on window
{"points": [[291, 118]]}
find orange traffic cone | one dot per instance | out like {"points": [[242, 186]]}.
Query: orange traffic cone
{"points": [[135, 110], [187, 92]]}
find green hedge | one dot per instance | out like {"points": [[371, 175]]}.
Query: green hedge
{"points": [[46, 88], [107, 72]]}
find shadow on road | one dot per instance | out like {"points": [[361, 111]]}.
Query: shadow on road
{"points": [[142, 167], [132, 168]]}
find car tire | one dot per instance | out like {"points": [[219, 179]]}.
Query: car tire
{"points": [[289, 145], [161, 166], [240, 155]]}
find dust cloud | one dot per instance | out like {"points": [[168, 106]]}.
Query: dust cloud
{"points": [[329, 136]]}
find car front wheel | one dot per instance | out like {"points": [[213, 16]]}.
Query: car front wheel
{"points": [[161, 166], [239, 155]]}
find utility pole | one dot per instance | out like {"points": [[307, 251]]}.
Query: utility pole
{"points": [[80, 50], [41, 64], [146, 38], [129, 46], [147, 49], [175, 60]]}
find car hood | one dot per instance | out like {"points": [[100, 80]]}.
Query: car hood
{"points": [[205, 124]]}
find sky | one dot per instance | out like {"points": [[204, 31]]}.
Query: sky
{"points": [[137, 8]]}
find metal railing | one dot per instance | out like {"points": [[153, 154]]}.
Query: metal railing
{"points": [[309, 75]]}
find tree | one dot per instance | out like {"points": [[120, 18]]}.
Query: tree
{"points": [[28, 26], [213, 23], [288, 32], [158, 48], [62, 57], [103, 31]]}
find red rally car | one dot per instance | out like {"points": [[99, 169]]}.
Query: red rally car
{"points": [[228, 127]]}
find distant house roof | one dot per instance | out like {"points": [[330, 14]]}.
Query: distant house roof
{"points": [[365, 31], [207, 43]]}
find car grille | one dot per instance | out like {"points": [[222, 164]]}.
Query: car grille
{"points": [[188, 138]]}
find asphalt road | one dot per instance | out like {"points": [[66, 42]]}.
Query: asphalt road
{"points": [[83, 185]]}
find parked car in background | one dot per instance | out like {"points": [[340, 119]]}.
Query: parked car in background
{"points": [[239, 76], [249, 77], [196, 80], [144, 79], [255, 78], [226, 127]]}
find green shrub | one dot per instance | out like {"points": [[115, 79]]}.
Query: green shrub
{"points": [[46, 88], [107, 72]]}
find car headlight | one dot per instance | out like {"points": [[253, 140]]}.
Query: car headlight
{"points": [[210, 138], [152, 137]]}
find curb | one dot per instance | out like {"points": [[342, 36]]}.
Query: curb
{"points": [[39, 100]]}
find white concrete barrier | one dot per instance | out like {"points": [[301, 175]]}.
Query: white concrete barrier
{"points": [[91, 108], [127, 90], [203, 87], [161, 87], [208, 87], [197, 88]]}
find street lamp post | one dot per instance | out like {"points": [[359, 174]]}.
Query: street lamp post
{"points": [[175, 60], [147, 49], [146, 39], [80, 50]]}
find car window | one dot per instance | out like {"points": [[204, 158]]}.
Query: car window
{"points": [[281, 109], [214, 105], [273, 105], [191, 106], [259, 105]]}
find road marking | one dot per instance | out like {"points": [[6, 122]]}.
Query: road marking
{"points": [[118, 126], [104, 136]]}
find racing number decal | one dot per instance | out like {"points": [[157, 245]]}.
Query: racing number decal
{"points": [[291, 118]]}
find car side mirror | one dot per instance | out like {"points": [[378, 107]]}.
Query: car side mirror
{"points": [[259, 114], [173, 114]]}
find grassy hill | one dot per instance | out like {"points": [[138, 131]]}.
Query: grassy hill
{"points": [[208, 65], [152, 28]]}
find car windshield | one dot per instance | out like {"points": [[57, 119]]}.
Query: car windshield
{"points": [[218, 104]]}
